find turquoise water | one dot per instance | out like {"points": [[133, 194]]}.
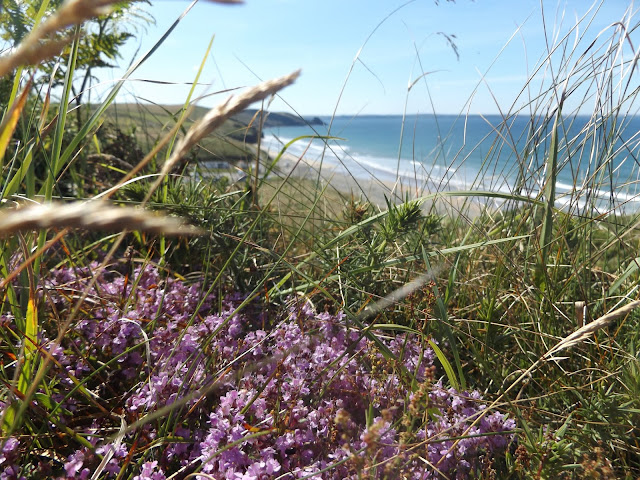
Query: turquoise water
{"points": [[479, 153]]}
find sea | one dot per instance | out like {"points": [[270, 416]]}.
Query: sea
{"points": [[598, 159]]}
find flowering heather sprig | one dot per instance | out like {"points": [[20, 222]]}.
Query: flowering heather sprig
{"points": [[295, 393]]}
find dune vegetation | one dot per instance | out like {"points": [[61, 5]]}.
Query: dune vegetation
{"points": [[162, 324]]}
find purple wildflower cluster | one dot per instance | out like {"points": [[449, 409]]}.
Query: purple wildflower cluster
{"points": [[255, 395]]}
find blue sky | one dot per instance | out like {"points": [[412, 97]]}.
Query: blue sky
{"points": [[266, 38]]}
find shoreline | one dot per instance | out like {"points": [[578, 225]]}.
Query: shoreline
{"points": [[373, 190], [444, 201]]}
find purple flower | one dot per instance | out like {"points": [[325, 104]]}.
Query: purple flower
{"points": [[12, 472], [289, 391], [150, 471], [9, 450], [73, 466]]}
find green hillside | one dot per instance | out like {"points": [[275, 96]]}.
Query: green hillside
{"points": [[150, 122]]}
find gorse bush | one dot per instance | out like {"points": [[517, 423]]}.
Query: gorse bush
{"points": [[255, 393]]}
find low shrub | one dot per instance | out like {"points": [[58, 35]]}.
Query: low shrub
{"points": [[256, 392]]}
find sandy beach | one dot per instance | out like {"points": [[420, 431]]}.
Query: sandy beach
{"points": [[373, 190]]}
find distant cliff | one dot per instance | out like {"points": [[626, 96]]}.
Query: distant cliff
{"points": [[277, 119]]}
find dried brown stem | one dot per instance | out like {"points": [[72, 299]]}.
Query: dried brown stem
{"points": [[91, 216]]}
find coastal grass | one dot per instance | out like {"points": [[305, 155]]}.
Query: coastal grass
{"points": [[524, 296]]}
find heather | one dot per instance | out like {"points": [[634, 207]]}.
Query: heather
{"points": [[161, 319], [259, 394]]}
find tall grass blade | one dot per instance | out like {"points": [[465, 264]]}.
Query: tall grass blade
{"points": [[546, 233], [185, 109], [448, 368], [11, 415], [56, 161], [11, 121], [441, 312], [632, 268], [97, 115], [30, 343]]}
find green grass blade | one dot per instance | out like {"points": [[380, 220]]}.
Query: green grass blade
{"points": [[185, 109], [448, 369], [97, 115], [546, 234], [56, 160], [30, 343], [441, 311]]}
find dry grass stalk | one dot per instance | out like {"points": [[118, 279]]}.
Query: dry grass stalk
{"points": [[570, 341], [33, 54], [217, 115], [585, 332], [33, 49], [91, 216]]}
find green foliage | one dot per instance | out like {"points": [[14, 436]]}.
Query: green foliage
{"points": [[505, 280], [101, 39], [16, 18], [224, 213], [117, 152], [6, 84], [400, 218]]}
